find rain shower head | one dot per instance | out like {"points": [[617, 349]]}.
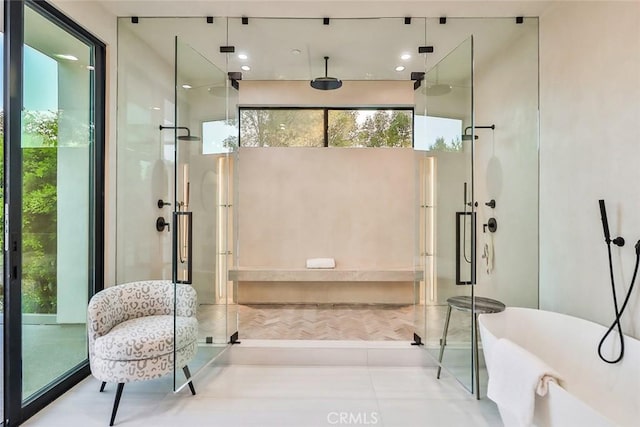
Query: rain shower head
{"points": [[438, 89], [186, 137], [326, 82]]}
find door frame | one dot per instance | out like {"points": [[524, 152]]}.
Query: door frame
{"points": [[15, 410]]}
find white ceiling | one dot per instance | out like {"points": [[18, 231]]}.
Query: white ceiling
{"points": [[293, 49], [359, 49], [329, 8], [366, 50]]}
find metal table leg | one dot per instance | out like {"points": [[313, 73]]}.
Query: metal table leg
{"points": [[476, 366], [443, 340]]}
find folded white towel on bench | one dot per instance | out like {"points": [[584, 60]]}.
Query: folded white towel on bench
{"points": [[321, 263]]}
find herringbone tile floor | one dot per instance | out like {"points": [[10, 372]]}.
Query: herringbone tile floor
{"points": [[327, 322], [332, 322]]}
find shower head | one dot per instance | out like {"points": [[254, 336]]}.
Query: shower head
{"points": [[326, 82], [189, 138], [186, 137], [438, 89]]}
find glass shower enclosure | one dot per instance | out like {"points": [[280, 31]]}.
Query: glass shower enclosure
{"points": [[177, 140], [205, 146], [446, 241]]}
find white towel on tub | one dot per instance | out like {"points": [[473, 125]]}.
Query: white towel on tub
{"points": [[516, 377], [321, 263]]}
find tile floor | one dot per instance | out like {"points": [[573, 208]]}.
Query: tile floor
{"points": [[288, 394], [281, 396], [332, 322]]}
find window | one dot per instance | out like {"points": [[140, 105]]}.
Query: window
{"points": [[219, 136], [438, 133], [326, 127], [271, 127]]}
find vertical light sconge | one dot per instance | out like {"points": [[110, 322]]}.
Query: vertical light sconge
{"points": [[431, 231], [221, 270]]}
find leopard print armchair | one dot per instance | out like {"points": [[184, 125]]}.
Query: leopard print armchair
{"points": [[131, 332]]}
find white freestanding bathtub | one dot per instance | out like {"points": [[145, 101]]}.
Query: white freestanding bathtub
{"points": [[593, 393]]}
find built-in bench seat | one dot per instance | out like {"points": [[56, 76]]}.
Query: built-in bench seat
{"points": [[323, 275], [259, 285]]}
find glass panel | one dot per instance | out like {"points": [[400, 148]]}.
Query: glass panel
{"points": [[57, 140], [202, 198], [230, 225], [145, 155], [446, 184], [160, 172], [506, 160], [373, 49], [505, 73], [328, 202], [423, 244]]}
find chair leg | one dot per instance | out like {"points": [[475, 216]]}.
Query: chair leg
{"points": [[116, 402], [187, 374], [104, 383]]}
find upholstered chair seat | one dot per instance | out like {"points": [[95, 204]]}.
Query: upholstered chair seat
{"points": [[133, 332]]}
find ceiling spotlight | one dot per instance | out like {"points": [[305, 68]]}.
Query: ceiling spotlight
{"points": [[186, 86], [405, 56], [400, 68], [296, 51], [66, 56], [90, 67], [242, 56], [155, 108], [245, 68]]}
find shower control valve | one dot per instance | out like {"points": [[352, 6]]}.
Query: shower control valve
{"points": [[492, 225], [618, 241], [161, 224], [162, 203]]}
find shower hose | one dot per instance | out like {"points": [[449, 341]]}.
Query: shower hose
{"points": [[616, 323]]}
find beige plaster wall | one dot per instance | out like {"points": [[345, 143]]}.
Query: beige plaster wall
{"points": [[354, 205], [352, 93]]}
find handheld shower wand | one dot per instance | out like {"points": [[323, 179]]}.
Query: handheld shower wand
{"points": [[619, 241]]}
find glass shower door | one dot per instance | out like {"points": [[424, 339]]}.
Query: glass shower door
{"points": [[447, 212], [204, 137]]}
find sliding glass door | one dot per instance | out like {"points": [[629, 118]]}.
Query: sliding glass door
{"points": [[54, 198]]}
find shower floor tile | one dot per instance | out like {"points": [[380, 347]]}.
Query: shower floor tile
{"points": [[333, 322], [327, 322]]}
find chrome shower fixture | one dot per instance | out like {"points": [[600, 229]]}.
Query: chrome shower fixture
{"points": [[467, 137], [186, 137]]}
